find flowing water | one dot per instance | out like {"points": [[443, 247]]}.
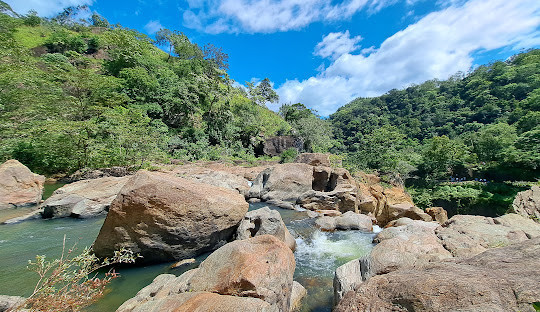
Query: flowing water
{"points": [[317, 255]]}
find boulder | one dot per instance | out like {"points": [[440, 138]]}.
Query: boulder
{"points": [[200, 302], [167, 218], [19, 186], [298, 293], [258, 268], [349, 276], [527, 203], [274, 146], [465, 235], [285, 182], [314, 159], [407, 243], [213, 177], [265, 221], [437, 214], [346, 221], [83, 199], [332, 189], [501, 279], [10, 302]]}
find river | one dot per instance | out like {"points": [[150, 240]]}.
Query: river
{"points": [[317, 255]]}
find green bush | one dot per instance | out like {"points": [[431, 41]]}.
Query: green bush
{"points": [[288, 155]]}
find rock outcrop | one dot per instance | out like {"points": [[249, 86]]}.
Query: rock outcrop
{"points": [[346, 221], [314, 159], [88, 174], [265, 221], [438, 214], [166, 218], [216, 177], [500, 279], [19, 186], [10, 302], [274, 146], [350, 276], [527, 203], [83, 199], [465, 235], [245, 275]]}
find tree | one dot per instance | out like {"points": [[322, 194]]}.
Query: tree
{"points": [[441, 156], [99, 21], [262, 92]]}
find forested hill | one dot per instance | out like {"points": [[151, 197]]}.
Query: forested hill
{"points": [[76, 94], [482, 125]]}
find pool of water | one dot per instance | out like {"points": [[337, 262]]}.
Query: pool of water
{"points": [[318, 254]]}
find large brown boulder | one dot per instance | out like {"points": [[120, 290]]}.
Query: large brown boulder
{"points": [[465, 235], [284, 182], [501, 279], [216, 177], [261, 267], [438, 214], [19, 186], [527, 203], [314, 159], [83, 199], [166, 218], [406, 246], [265, 221]]}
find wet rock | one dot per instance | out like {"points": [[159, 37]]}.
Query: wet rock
{"points": [[527, 203], [265, 221], [501, 279], [314, 159], [36, 214], [437, 214], [466, 235], [347, 221], [258, 268], [83, 199], [19, 186], [297, 295], [183, 263], [166, 218], [10, 302]]}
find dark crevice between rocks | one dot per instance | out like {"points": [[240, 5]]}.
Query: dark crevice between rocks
{"points": [[323, 182], [257, 223]]}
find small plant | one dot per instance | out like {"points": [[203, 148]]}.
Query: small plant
{"points": [[71, 282], [288, 155]]}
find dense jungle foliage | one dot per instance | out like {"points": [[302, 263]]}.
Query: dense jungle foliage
{"points": [[87, 94], [483, 127]]}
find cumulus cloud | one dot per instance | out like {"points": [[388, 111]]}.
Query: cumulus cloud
{"points": [[336, 44], [46, 8], [256, 16], [152, 27], [437, 46]]}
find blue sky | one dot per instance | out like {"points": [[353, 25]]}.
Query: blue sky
{"points": [[326, 53]]}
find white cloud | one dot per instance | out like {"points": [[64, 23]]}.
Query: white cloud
{"points": [[152, 27], [336, 44], [437, 46], [265, 16], [46, 8]]}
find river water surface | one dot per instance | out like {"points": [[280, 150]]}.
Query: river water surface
{"points": [[317, 255]]}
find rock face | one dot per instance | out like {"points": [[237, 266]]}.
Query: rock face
{"points": [[347, 221], [274, 146], [314, 159], [298, 293], [465, 235], [265, 221], [83, 199], [216, 177], [527, 203], [350, 276], [500, 279], [258, 270], [412, 244], [18, 185], [166, 218], [387, 204]]}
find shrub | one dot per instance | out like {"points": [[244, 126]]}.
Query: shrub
{"points": [[288, 155]]}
